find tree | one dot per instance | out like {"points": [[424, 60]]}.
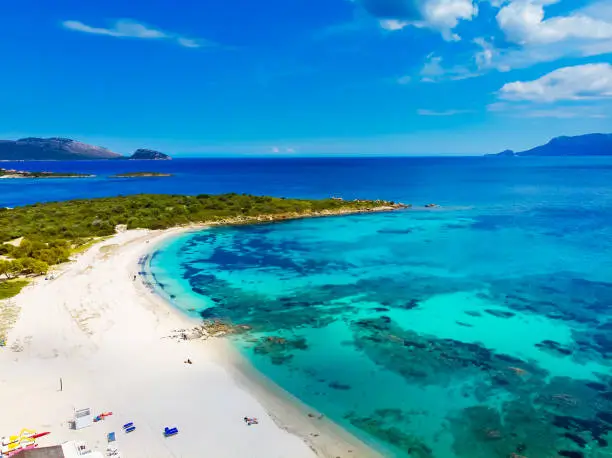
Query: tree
{"points": [[40, 267], [14, 268], [27, 265], [4, 268]]}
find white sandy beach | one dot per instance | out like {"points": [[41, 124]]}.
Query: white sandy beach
{"points": [[105, 336]]}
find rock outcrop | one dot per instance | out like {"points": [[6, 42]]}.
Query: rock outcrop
{"points": [[149, 155]]}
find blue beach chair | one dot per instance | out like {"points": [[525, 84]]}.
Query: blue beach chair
{"points": [[168, 432], [129, 427]]}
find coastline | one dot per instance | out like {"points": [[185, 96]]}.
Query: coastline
{"points": [[323, 436], [21, 177], [105, 336]]}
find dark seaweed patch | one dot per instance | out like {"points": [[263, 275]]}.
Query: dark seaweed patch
{"points": [[500, 313], [554, 347], [466, 325]]}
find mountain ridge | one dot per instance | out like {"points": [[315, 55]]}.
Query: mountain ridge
{"points": [[596, 144], [65, 149]]}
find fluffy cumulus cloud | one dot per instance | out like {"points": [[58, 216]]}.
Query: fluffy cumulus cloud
{"points": [[127, 28], [523, 22], [526, 34], [581, 82], [446, 14], [539, 37], [442, 15]]}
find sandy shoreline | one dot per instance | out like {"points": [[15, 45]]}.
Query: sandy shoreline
{"points": [[105, 336]]}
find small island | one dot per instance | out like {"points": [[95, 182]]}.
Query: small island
{"points": [[12, 173], [141, 175], [144, 154]]}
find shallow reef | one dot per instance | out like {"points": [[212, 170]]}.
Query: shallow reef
{"points": [[341, 320]]}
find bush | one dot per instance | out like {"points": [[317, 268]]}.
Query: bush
{"points": [[11, 288], [50, 230]]}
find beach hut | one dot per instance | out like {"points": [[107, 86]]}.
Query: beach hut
{"points": [[83, 418]]}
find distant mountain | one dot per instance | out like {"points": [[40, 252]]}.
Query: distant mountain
{"points": [[581, 145], [149, 154], [61, 149], [64, 149]]}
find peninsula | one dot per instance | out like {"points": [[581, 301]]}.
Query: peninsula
{"points": [[67, 339], [65, 149], [49, 233], [12, 173], [581, 145]]}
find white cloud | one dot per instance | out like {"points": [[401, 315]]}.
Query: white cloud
{"points": [[580, 33], [484, 57], [441, 15], [582, 82], [127, 28], [122, 28], [445, 15], [425, 112], [393, 24], [523, 23], [433, 71], [189, 42], [281, 149], [536, 37]]}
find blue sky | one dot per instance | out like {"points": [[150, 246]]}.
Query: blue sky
{"points": [[304, 77]]}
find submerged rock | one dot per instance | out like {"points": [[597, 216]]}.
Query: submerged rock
{"points": [[554, 347], [339, 386], [380, 427], [279, 349], [500, 313]]}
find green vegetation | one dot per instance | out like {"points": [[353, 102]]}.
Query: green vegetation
{"points": [[141, 174], [11, 288], [51, 232]]}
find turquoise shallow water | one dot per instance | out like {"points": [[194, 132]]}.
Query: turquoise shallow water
{"points": [[421, 330], [479, 330]]}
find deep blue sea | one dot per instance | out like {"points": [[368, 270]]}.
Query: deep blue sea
{"points": [[480, 329]]}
